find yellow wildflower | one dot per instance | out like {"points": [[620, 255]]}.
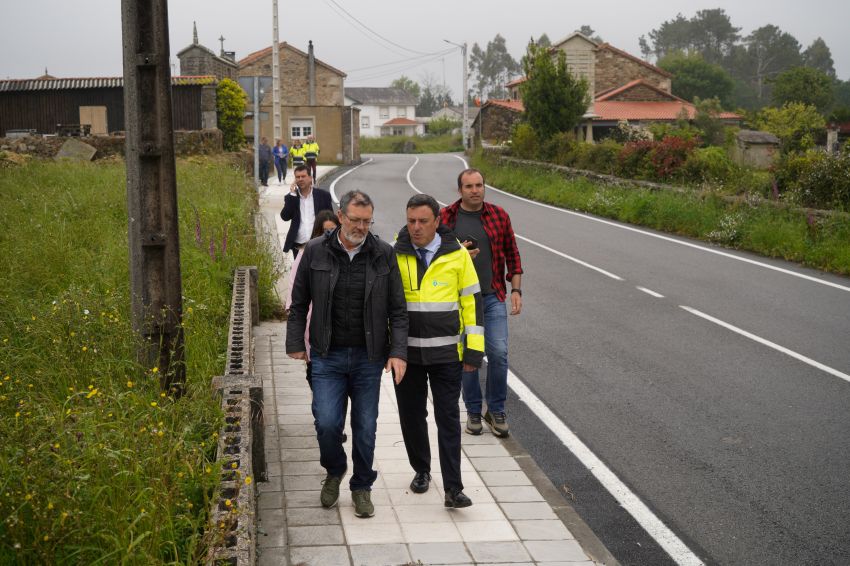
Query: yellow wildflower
{"points": [[248, 480], [154, 369], [228, 503], [130, 384], [153, 403], [91, 394]]}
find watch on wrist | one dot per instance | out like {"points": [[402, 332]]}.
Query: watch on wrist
{"points": [[517, 291]]}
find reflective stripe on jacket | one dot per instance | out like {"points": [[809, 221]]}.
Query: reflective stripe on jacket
{"points": [[297, 154], [444, 304], [311, 150]]}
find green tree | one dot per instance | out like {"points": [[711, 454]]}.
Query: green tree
{"points": [[590, 33], [434, 96], [707, 120], [440, 126], [795, 124], [709, 33], [544, 41], [803, 84], [695, 77], [492, 68], [818, 56], [408, 85], [766, 52], [230, 106], [554, 99]]}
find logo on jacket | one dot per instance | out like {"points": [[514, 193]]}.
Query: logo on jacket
{"points": [[436, 283]]}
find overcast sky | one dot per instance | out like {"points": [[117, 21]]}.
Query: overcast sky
{"points": [[82, 38]]}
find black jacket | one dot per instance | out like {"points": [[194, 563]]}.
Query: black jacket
{"points": [[384, 308], [292, 212]]}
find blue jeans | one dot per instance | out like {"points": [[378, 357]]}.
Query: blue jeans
{"points": [[347, 373], [496, 348]]}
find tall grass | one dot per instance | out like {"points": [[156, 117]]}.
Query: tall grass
{"points": [[823, 243], [96, 465]]}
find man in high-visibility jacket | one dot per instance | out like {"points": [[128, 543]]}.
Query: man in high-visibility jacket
{"points": [[297, 153], [445, 338], [311, 154]]}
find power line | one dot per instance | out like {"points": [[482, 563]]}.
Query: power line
{"points": [[370, 30], [446, 52], [397, 69]]}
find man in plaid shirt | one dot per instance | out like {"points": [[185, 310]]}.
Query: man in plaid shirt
{"points": [[485, 230]]}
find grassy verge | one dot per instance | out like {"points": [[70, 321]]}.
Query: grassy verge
{"points": [[823, 243], [421, 144], [96, 465]]}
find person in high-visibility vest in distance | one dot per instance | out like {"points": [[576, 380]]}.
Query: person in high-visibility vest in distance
{"points": [[311, 154], [297, 153], [445, 338]]}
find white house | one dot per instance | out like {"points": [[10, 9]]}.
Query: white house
{"points": [[384, 111]]}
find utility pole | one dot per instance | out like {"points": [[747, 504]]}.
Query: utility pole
{"points": [[465, 126], [276, 76], [155, 280]]}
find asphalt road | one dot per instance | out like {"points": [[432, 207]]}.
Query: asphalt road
{"points": [[740, 448]]}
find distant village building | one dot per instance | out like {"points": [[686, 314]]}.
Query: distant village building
{"points": [[455, 113], [312, 102], [384, 111], [196, 60], [623, 87]]}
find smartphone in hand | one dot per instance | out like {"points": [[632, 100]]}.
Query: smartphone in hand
{"points": [[473, 242]]}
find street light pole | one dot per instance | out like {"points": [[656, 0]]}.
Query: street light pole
{"points": [[465, 125]]}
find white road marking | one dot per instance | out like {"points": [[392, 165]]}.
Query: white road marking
{"points": [[650, 292], [569, 257], [665, 537], [673, 240], [769, 344], [331, 188]]}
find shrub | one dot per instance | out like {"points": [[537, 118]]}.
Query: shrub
{"points": [[795, 124], [524, 142], [816, 179], [443, 125], [708, 165], [626, 132], [670, 154], [601, 157], [230, 105], [633, 159], [560, 148]]}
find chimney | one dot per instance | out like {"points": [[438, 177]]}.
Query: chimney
{"points": [[194, 33], [311, 73]]}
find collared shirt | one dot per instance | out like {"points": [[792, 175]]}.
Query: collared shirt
{"points": [[497, 224], [431, 249], [351, 253], [308, 218]]}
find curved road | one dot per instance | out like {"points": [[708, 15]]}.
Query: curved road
{"points": [[715, 386]]}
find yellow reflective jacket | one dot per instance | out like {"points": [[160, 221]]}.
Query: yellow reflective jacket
{"points": [[311, 150], [297, 154], [444, 304]]}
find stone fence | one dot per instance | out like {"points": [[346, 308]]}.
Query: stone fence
{"points": [[194, 142], [233, 518]]}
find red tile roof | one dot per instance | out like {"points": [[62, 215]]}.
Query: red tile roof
{"points": [[400, 122], [516, 82], [515, 105], [612, 92]]}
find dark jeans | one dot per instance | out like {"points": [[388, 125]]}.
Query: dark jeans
{"points": [[412, 395], [280, 165], [347, 373], [311, 166], [264, 172]]}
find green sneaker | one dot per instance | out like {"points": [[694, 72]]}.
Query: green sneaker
{"points": [[330, 491], [363, 507], [498, 423]]}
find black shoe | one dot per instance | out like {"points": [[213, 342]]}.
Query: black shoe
{"points": [[456, 499], [421, 482]]}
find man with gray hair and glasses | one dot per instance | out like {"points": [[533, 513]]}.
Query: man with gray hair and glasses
{"points": [[358, 328]]}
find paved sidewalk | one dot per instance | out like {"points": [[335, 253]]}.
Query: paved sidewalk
{"points": [[517, 516]]}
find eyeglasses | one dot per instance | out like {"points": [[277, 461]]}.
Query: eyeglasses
{"points": [[358, 222]]}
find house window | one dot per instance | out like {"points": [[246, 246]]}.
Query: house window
{"points": [[398, 131], [402, 111], [300, 128], [364, 122], [384, 112]]}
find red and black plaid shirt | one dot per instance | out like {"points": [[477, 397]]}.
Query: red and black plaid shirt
{"points": [[497, 225]]}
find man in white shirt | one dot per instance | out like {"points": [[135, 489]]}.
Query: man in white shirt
{"points": [[300, 207]]}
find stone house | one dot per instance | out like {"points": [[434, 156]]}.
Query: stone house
{"points": [[456, 113], [755, 149], [197, 60], [495, 120], [384, 111], [312, 102], [623, 87]]}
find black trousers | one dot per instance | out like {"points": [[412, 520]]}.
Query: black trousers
{"points": [[412, 396]]}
